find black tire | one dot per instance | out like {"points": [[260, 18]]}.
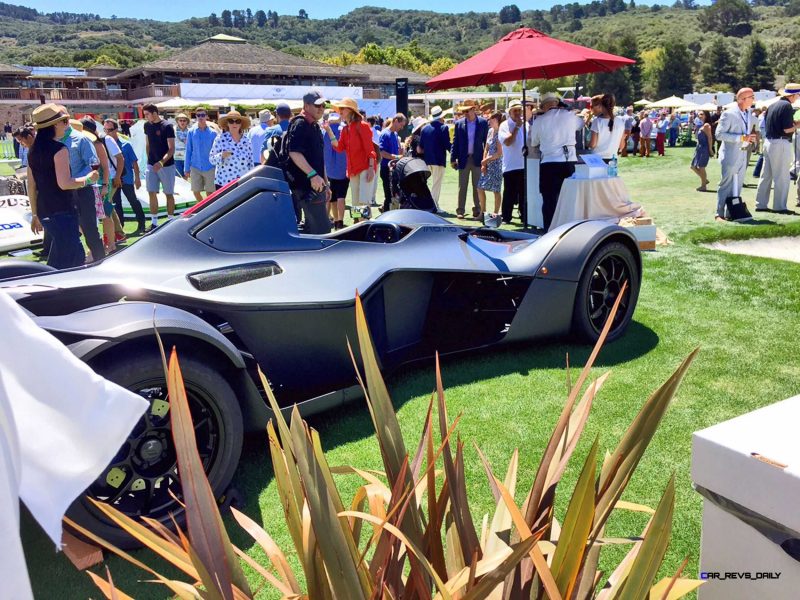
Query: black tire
{"points": [[599, 285], [138, 481]]}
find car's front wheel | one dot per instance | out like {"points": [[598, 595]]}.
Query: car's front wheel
{"points": [[610, 267], [143, 477]]}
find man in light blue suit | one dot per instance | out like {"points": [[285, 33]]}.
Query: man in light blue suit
{"points": [[734, 131]]}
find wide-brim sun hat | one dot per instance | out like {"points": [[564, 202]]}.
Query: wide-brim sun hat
{"points": [[418, 123], [346, 103], [47, 115], [234, 114]]}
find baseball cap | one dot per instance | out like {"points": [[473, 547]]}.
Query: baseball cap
{"points": [[314, 97], [283, 110]]}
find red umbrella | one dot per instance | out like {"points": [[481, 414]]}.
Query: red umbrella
{"points": [[527, 54]]}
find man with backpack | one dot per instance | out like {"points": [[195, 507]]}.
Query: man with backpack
{"points": [[302, 153]]}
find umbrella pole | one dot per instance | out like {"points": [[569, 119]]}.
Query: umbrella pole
{"points": [[524, 159]]}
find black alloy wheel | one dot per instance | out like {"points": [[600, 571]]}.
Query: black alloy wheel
{"points": [[142, 478], [610, 267]]}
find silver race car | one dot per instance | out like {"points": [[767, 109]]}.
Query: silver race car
{"points": [[233, 284]]}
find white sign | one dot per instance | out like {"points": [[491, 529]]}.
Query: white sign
{"points": [[15, 224], [234, 91]]}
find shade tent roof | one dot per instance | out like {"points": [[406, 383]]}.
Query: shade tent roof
{"points": [[671, 102], [527, 54], [643, 102]]}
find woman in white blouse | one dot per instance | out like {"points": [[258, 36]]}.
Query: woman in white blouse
{"points": [[607, 130], [232, 150]]}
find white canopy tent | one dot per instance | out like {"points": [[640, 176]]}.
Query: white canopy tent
{"points": [[671, 102], [176, 103]]}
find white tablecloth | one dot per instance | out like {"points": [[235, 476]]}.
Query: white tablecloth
{"points": [[602, 198]]}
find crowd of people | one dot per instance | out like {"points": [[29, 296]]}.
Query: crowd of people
{"points": [[734, 134], [78, 173]]}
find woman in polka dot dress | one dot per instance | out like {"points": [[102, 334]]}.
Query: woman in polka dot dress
{"points": [[232, 151]]}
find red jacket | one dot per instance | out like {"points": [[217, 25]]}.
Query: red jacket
{"points": [[356, 142]]}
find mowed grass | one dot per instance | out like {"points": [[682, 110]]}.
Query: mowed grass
{"points": [[741, 311]]}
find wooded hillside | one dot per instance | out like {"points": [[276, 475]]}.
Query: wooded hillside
{"points": [[678, 48]]}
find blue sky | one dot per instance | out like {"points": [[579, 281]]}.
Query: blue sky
{"points": [[183, 9]]}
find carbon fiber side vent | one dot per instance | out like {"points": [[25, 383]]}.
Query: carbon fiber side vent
{"points": [[205, 281]]}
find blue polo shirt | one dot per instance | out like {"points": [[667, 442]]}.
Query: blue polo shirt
{"points": [[276, 130], [81, 153], [129, 154], [198, 148], [388, 142]]}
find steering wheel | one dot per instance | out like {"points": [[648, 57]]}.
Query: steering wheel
{"points": [[383, 233]]}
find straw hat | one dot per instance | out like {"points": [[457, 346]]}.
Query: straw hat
{"points": [[418, 123], [790, 89], [76, 124], [346, 103], [234, 114], [47, 115], [549, 97], [515, 104], [265, 116], [180, 116], [468, 105]]}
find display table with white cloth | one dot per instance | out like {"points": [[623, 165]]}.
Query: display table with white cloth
{"points": [[533, 196], [601, 198]]}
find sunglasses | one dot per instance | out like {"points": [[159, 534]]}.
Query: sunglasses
{"points": [[201, 115], [109, 129], [234, 121]]}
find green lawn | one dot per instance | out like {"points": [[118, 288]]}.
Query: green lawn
{"points": [[741, 311]]}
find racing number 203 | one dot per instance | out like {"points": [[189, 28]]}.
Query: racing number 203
{"points": [[12, 202]]}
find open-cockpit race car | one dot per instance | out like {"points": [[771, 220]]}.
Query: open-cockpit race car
{"points": [[233, 284]]}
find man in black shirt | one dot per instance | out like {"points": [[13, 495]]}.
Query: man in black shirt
{"points": [[160, 173], [306, 169], [778, 156]]}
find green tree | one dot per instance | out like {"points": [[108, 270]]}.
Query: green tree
{"points": [[728, 17], [248, 17], [575, 25], [675, 74], [261, 18], [629, 48], [615, 82], [718, 65], [213, 20], [302, 14], [757, 71], [510, 14], [227, 21]]}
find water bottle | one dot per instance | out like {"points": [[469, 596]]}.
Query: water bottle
{"points": [[612, 167]]}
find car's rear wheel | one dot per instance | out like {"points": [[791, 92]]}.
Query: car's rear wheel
{"points": [[143, 476], [610, 267]]}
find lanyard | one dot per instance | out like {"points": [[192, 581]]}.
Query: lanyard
{"points": [[746, 119]]}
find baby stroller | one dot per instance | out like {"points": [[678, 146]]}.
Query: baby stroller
{"points": [[410, 184]]}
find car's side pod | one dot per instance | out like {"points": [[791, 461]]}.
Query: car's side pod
{"points": [[569, 256], [95, 333]]}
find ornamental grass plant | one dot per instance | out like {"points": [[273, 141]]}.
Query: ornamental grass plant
{"points": [[409, 532]]}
